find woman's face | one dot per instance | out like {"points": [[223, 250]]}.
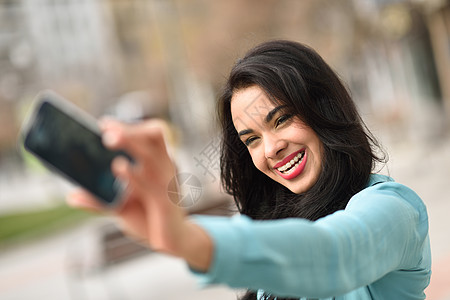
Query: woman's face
{"points": [[280, 144]]}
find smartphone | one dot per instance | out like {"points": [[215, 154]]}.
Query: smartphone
{"points": [[68, 141]]}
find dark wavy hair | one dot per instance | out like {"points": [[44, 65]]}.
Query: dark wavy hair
{"points": [[294, 75]]}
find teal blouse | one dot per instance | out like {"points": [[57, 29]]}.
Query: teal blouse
{"points": [[376, 248]]}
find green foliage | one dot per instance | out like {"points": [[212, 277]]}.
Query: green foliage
{"points": [[28, 225]]}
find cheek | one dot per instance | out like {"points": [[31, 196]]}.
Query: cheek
{"points": [[319, 151], [258, 160]]}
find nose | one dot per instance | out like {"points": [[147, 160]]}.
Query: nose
{"points": [[273, 145]]}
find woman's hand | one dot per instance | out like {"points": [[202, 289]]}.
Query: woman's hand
{"points": [[147, 213]]}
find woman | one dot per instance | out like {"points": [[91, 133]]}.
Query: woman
{"points": [[294, 149]]}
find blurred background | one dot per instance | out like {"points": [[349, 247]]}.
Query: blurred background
{"points": [[138, 59]]}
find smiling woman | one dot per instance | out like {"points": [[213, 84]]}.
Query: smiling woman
{"points": [[315, 221], [319, 116], [281, 145]]}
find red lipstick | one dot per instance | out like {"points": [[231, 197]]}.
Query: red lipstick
{"points": [[298, 167], [287, 159]]}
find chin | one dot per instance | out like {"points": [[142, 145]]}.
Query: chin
{"points": [[297, 190], [299, 187]]}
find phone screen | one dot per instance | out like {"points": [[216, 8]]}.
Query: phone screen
{"points": [[74, 150]]}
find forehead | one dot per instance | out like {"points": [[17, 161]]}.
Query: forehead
{"points": [[250, 105]]}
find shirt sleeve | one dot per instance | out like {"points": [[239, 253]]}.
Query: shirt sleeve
{"points": [[382, 229]]}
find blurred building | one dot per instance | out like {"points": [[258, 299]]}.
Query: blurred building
{"points": [[66, 45], [97, 50], [395, 69], [438, 21], [13, 71], [118, 55], [73, 46]]}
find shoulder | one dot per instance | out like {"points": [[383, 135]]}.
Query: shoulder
{"points": [[381, 187], [384, 194]]}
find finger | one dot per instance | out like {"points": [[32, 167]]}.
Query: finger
{"points": [[138, 139], [136, 178], [152, 167], [82, 199], [145, 144], [106, 121], [134, 147], [133, 220]]}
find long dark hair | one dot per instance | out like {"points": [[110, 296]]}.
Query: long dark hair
{"points": [[294, 75]]}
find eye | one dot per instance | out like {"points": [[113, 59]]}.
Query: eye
{"points": [[282, 119], [250, 140]]}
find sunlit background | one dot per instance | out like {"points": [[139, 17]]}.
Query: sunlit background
{"points": [[137, 59]]}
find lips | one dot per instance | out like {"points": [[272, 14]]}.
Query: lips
{"points": [[293, 165]]}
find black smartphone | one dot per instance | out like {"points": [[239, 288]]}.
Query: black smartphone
{"points": [[67, 140]]}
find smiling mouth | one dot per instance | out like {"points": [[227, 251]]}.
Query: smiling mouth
{"points": [[290, 166]]}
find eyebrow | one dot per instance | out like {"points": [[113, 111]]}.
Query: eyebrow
{"points": [[244, 132], [267, 119], [273, 112]]}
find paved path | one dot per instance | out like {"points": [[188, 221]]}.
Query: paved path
{"points": [[66, 266]]}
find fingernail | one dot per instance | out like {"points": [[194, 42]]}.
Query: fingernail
{"points": [[110, 138], [104, 122], [120, 164]]}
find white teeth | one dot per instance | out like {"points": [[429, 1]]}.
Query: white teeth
{"points": [[294, 162], [291, 170]]}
